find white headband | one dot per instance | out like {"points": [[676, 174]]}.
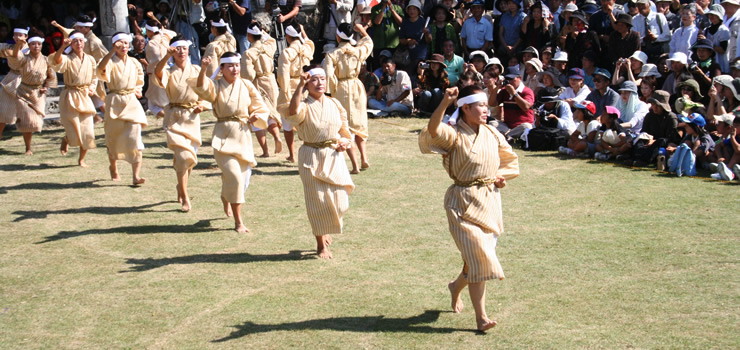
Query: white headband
{"points": [[294, 33], [232, 59], [474, 98], [151, 29], [36, 39], [345, 37], [180, 43], [254, 31], [77, 36], [86, 24], [317, 71], [21, 30], [221, 24], [122, 36]]}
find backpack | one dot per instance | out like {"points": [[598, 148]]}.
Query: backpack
{"points": [[545, 139], [683, 161]]}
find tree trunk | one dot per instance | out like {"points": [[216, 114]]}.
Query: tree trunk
{"points": [[113, 18]]}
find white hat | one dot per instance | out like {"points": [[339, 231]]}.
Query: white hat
{"points": [[640, 56], [494, 62], [678, 57], [416, 3], [649, 70], [610, 136], [716, 10], [571, 7], [536, 63], [560, 56], [733, 2], [478, 53]]}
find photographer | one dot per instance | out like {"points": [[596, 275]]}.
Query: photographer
{"points": [[512, 105], [241, 17], [288, 8], [554, 113], [395, 94], [387, 19]]}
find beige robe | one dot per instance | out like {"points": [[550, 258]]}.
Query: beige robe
{"points": [[257, 66], [342, 67], [76, 109], [326, 180], [124, 116], [95, 48], [181, 124], [30, 105], [8, 86], [156, 49], [220, 45], [474, 212], [232, 139], [289, 70]]}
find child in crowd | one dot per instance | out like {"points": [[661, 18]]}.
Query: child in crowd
{"points": [[698, 140], [583, 141], [729, 168], [615, 140]]}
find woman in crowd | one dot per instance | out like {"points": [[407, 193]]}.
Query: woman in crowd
{"points": [[577, 91], [433, 84], [632, 111], [412, 32], [440, 30]]}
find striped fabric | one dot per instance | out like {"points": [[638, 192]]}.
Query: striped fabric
{"points": [[326, 180], [474, 213]]}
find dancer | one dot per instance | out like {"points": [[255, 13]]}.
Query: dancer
{"points": [[76, 109], [290, 66], [10, 83], [222, 42], [181, 115], [322, 125], [236, 104], [124, 116], [257, 66], [36, 76], [343, 66], [156, 49], [480, 161]]}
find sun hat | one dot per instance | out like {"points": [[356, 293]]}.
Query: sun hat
{"points": [[728, 82], [494, 61], [661, 97], [587, 105], [694, 118], [548, 94], [536, 63], [437, 7], [512, 72], [717, 10], [629, 85], [702, 44], [480, 54], [580, 15], [725, 118], [625, 18], [640, 56], [532, 50], [649, 70], [555, 79], [613, 110], [610, 136], [415, 3], [560, 56], [603, 72], [571, 7], [437, 58], [679, 57], [576, 73], [733, 2], [693, 84], [589, 7]]}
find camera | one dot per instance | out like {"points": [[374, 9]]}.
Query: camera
{"points": [[505, 82], [386, 80], [542, 114], [424, 65]]}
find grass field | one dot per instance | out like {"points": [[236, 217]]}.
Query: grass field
{"points": [[596, 256]]}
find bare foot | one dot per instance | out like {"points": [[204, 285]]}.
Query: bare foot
{"points": [[457, 304], [64, 147], [327, 240], [485, 324], [354, 172], [365, 165], [324, 253], [179, 195], [82, 163], [290, 159], [227, 208], [29, 153], [278, 146], [139, 181], [241, 228], [97, 119], [114, 173], [160, 115], [264, 155], [186, 206]]}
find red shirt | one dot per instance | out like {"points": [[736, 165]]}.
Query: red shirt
{"points": [[513, 114]]}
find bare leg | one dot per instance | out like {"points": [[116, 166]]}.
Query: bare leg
{"points": [[64, 148], [273, 130], [113, 169], [362, 147], [136, 169], [289, 142], [81, 160], [263, 143], [227, 207], [182, 190], [2, 128], [327, 240], [236, 208], [478, 297], [27, 140], [353, 160], [456, 287], [321, 248]]}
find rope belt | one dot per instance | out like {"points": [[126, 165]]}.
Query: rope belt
{"points": [[122, 92], [320, 145], [476, 182], [188, 105], [231, 118], [76, 87], [263, 75], [32, 86]]}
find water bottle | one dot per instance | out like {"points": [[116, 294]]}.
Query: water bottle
{"points": [[661, 163]]}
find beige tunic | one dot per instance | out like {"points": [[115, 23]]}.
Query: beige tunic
{"points": [[220, 45], [326, 180], [181, 124], [342, 68], [124, 117], [474, 212], [289, 70], [258, 66], [8, 86], [156, 49], [30, 106], [232, 139], [95, 48], [76, 109]]}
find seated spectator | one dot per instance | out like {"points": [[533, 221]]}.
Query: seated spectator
{"points": [[382, 56], [433, 84], [588, 64], [554, 113], [719, 35], [513, 105], [724, 150], [706, 67], [582, 142], [615, 140], [659, 129], [632, 111], [689, 91], [440, 30], [527, 54], [685, 37], [369, 80], [531, 69], [546, 58], [724, 96], [698, 140], [478, 59], [731, 168], [395, 94], [678, 63], [602, 95], [494, 64], [477, 32], [453, 62], [576, 91], [630, 68], [648, 85], [559, 66], [548, 80], [412, 32], [623, 41]]}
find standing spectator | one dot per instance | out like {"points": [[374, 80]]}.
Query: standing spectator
{"points": [[685, 37], [340, 11], [477, 32], [412, 33], [537, 31], [453, 62], [440, 30], [387, 19], [580, 40], [395, 94], [733, 24], [512, 105], [623, 41], [655, 34], [664, 7], [510, 27], [719, 35], [602, 22], [241, 18]]}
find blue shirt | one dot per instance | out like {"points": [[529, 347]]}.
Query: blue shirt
{"points": [[512, 26], [476, 33]]}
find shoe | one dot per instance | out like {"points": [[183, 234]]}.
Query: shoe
{"points": [[713, 167], [736, 170], [382, 114], [716, 176], [621, 157], [601, 156], [564, 150], [725, 172]]}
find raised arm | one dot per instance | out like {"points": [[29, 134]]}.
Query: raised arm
{"points": [[171, 51], [58, 53], [436, 119], [295, 101]]}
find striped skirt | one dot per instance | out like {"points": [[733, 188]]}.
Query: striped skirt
{"points": [[477, 247]]}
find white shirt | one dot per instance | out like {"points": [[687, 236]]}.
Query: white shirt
{"points": [[593, 125], [683, 39], [580, 97], [657, 24], [197, 14]]}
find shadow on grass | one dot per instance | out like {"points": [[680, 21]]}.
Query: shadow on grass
{"points": [[7, 152], [284, 172], [53, 186], [201, 226], [231, 258], [365, 324], [20, 167], [42, 214]]}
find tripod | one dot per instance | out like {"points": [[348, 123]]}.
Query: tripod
{"points": [[278, 30]]}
